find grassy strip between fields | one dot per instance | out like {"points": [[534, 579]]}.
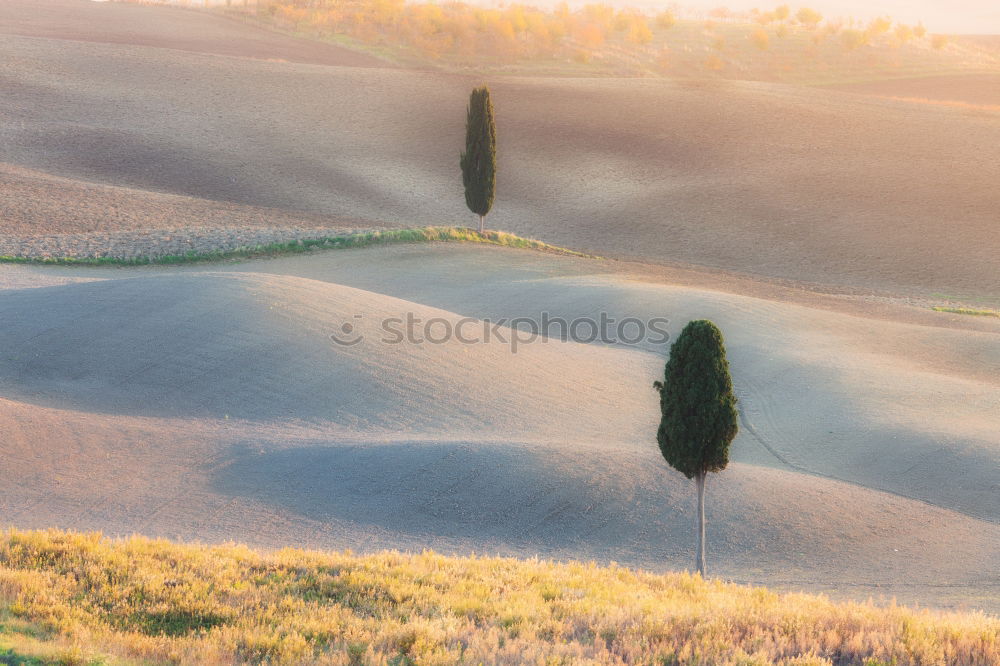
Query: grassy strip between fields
{"points": [[966, 311], [366, 239], [75, 598]]}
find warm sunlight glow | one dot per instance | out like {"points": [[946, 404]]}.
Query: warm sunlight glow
{"points": [[438, 333]]}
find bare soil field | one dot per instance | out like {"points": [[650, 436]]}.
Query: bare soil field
{"points": [[212, 404], [35, 203], [48, 216], [776, 181], [166, 27], [974, 90]]}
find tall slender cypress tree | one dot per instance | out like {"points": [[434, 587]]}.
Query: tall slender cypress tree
{"points": [[698, 411], [479, 161]]}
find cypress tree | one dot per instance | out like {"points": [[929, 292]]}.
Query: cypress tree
{"points": [[698, 411], [479, 161]]}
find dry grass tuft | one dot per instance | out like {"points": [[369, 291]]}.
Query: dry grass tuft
{"points": [[966, 311], [80, 598]]}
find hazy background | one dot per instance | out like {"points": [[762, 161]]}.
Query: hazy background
{"points": [[958, 16], [976, 17], [954, 16]]}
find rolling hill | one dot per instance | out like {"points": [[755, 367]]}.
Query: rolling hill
{"points": [[813, 185], [213, 404]]}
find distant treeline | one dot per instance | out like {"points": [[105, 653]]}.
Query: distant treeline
{"points": [[782, 43]]}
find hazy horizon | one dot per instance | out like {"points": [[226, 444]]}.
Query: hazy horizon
{"points": [[959, 17], [978, 17]]}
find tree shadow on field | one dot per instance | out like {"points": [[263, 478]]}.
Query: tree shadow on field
{"points": [[494, 493], [590, 502]]}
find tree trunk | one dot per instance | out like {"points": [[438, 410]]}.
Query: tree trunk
{"points": [[481, 223], [700, 557]]}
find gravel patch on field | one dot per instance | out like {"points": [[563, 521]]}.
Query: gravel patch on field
{"points": [[157, 242]]}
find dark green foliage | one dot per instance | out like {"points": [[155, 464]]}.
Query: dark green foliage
{"points": [[697, 403], [10, 658], [174, 622], [479, 161]]}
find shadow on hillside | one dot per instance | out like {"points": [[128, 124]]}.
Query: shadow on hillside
{"points": [[595, 503], [508, 495]]}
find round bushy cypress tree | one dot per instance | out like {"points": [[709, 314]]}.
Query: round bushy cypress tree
{"points": [[698, 411], [479, 161]]}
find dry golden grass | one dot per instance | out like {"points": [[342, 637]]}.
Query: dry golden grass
{"points": [[81, 598]]}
